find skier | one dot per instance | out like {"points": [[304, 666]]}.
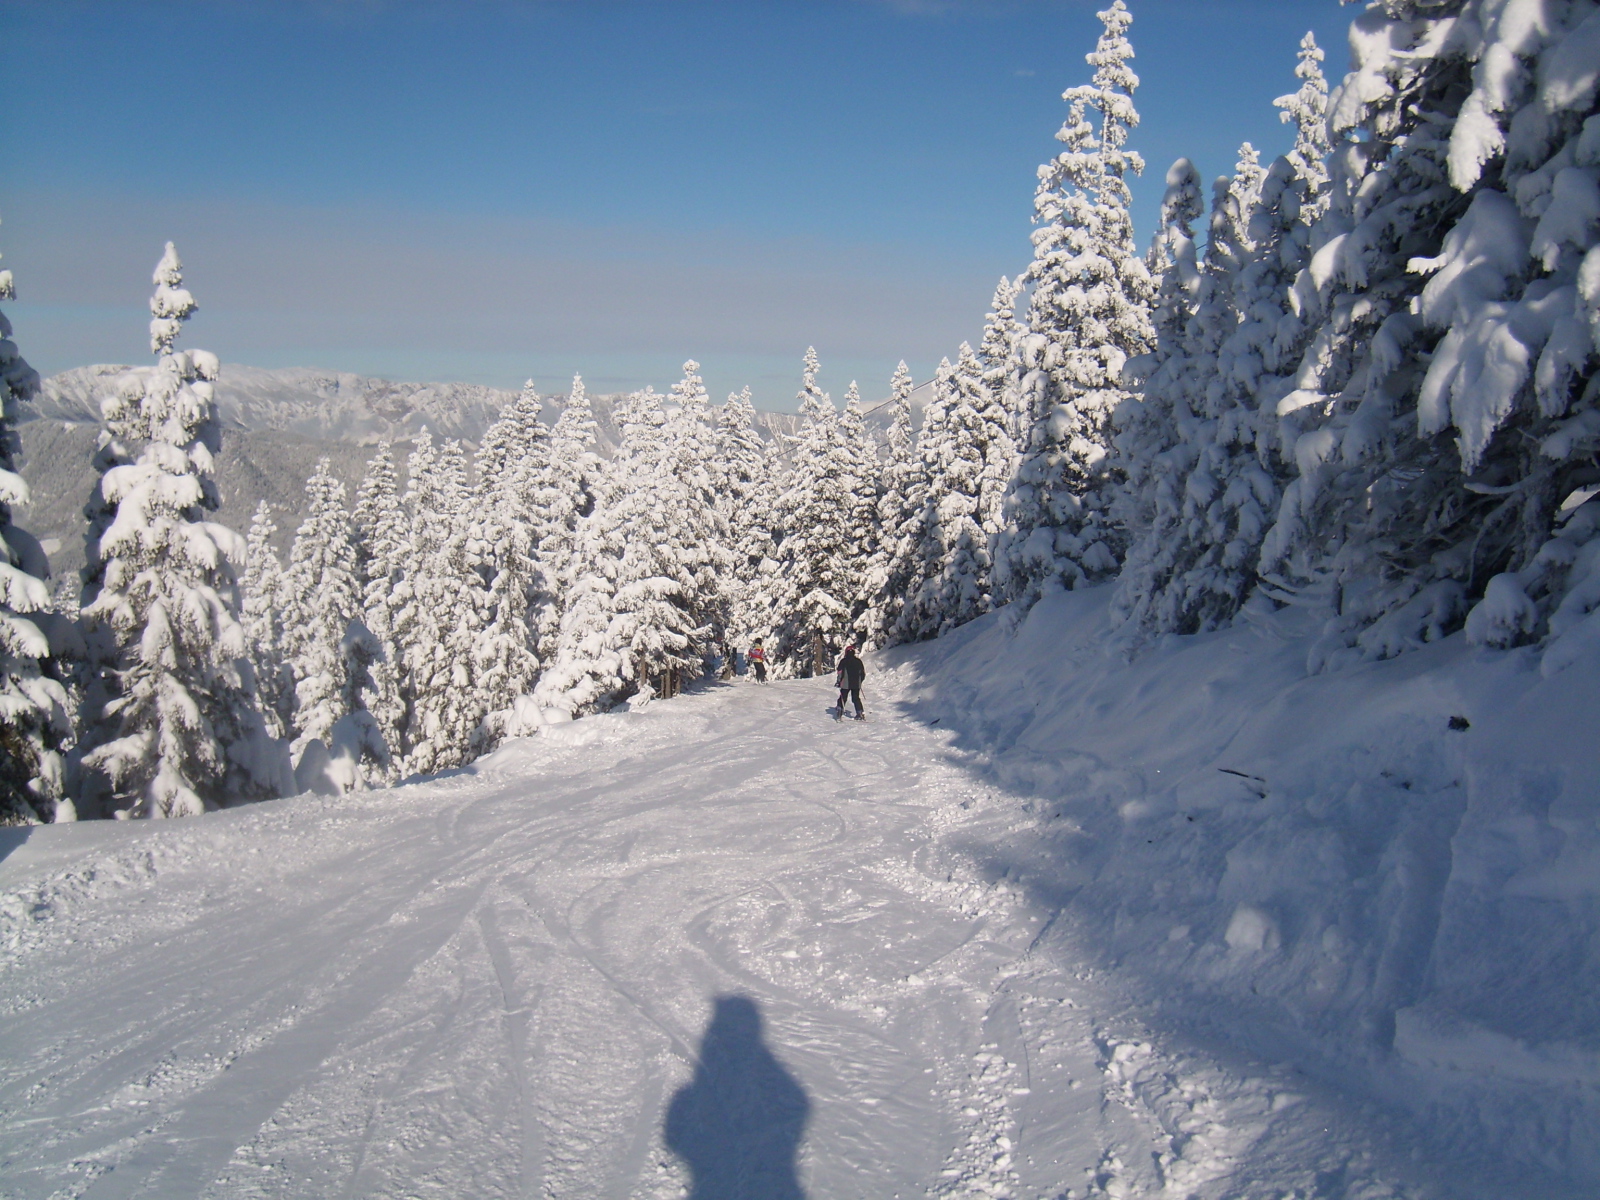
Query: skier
{"points": [[851, 673], [758, 660]]}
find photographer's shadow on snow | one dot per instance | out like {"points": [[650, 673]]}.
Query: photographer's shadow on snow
{"points": [[739, 1121]]}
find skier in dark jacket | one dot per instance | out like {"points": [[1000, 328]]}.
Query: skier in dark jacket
{"points": [[849, 678]]}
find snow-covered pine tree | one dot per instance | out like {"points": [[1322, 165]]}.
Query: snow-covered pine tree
{"points": [[382, 537], [886, 577], [1159, 434], [509, 521], [1307, 109], [654, 621], [704, 557], [1219, 472], [513, 468], [921, 550], [860, 451], [263, 608], [1234, 202], [1515, 376], [1088, 314], [744, 498], [779, 473], [448, 607], [321, 596], [182, 734], [34, 723], [630, 617], [997, 351], [986, 437], [583, 673], [565, 493], [516, 442], [968, 458], [1442, 413], [816, 578]]}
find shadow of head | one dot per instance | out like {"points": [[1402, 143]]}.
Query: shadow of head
{"points": [[739, 1121]]}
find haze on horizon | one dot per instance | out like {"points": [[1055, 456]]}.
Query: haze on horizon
{"points": [[495, 191]]}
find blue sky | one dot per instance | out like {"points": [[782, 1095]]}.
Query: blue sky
{"points": [[488, 190]]}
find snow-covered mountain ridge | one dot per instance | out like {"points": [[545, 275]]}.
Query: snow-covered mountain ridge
{"points": [[331, 406], [277, 423], [322, 405]]}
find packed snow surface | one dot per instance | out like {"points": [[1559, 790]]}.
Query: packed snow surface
{"points": [[1049, 924]]}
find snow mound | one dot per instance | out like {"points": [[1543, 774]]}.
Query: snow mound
{"points": [[1387, 875]]}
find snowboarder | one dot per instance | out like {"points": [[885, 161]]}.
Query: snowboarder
{"points": [[758, 660], [848, 680]]}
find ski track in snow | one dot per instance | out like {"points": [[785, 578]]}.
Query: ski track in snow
{"points": [[492, 983]]}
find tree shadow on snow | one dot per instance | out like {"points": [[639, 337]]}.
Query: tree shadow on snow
{"points": [[12, 837], [739, 1121]]}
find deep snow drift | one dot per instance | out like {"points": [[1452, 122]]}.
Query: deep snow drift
{"points": [[1050, 924]]}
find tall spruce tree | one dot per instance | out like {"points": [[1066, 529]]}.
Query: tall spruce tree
{"points": [[565, 495], [321, 597], [744, 498], [448, 607], [630, 618], [968, 459], [181, 732], [886, 577], [262, 615], [1089, 313], [919, 555], [1158, 435], [703, 555], [860, 451], [34, 722], [1206, 465], [997, 351], [382, 538], [815, 583], [509, 521]]}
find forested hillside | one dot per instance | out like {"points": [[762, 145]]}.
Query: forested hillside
{"points": [[1358, 381], [277, 423]]}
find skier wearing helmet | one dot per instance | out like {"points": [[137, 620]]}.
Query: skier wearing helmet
{"points": [[852, 671]]}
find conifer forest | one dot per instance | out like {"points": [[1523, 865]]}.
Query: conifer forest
{"points": [[1221, 615], [1360, 376]]}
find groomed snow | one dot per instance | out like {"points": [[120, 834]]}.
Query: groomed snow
{"points": [[1049, 924]]}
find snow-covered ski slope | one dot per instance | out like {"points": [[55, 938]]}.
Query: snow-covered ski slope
{"points": [[1048, 925]]}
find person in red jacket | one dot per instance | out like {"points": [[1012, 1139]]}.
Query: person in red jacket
{"points": [[758, 660]]}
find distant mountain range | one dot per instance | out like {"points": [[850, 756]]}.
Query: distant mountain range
{"points": [[276, 425]]}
